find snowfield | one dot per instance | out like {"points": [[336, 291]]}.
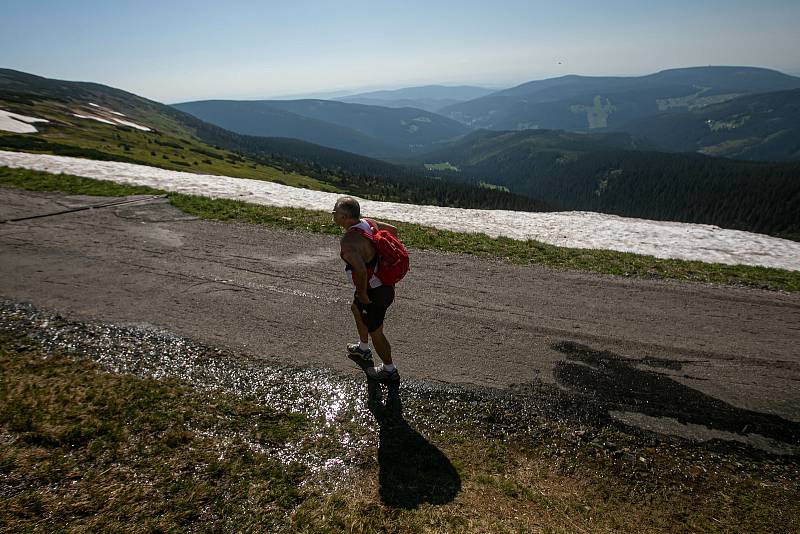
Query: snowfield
{"points": [[567, 229], [14, 122]]}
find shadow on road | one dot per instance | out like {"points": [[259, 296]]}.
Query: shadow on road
{"points": [[412, 471], [615, 383]]}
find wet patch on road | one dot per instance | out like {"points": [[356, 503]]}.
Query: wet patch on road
{"points": [[656, 402]]}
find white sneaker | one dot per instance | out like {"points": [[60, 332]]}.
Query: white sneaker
{"points": [[354, 350]]}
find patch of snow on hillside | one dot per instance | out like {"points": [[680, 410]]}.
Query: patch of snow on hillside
{"points": [[16, 123], [92, 117], [567, 229], [113, 120], [132, 125]]}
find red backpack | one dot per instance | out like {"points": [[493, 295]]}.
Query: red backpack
{"points": [[392, 255]]}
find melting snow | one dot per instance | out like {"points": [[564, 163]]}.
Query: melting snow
{"points": [[92, 117], [14, 122], [132, 125], [567, 229], [113, 120]]}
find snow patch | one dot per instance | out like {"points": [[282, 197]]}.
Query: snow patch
{"points": [[16, 123], [567, 229], [92, 117], [113, 120], [132, 125]]}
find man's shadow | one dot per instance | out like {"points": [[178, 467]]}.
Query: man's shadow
{"points": [[412, 471], [613, 382]]}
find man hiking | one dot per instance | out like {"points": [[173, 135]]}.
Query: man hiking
{"points": [[372, 297]]}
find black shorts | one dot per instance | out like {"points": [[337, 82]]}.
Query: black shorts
{"points": [[373, 313]]}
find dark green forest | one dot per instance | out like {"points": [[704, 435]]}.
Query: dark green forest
{"points": [[753, 196]]}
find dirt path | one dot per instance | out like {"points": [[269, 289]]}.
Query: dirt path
{"points": [[693, 360]]}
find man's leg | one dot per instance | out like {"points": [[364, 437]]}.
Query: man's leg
{"points": [[363, 333], [382, 346]]}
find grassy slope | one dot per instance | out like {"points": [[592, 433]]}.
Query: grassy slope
{"points": [[420, 237], [169, 146]]}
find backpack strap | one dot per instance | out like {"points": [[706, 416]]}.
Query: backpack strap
{"points": [[372, 225], [366, 234]]}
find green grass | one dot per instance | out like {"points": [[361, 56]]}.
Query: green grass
{"points": [[427, 238], [174, 149], [66, 183]]}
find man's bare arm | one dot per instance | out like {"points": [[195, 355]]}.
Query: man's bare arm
{"points": [[386, 226]]}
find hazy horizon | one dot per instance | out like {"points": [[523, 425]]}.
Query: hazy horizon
{"points": [[183, 51]]}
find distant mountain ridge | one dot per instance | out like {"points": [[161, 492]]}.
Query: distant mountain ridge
{"points": [[582, 103], [639, 105], [429, 97], [368, 130], [458, 92], [262, 119]]}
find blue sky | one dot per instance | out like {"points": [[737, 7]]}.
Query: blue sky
{"points": [[174, 51]]}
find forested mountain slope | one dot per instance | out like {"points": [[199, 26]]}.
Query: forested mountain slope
{"points": [[764, 126], [619, 174]]}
